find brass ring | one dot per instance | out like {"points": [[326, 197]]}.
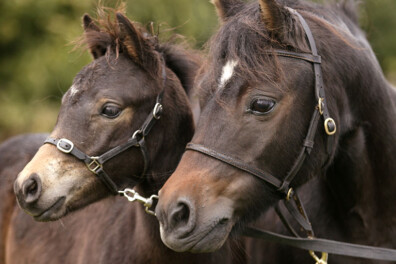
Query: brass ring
{"points": [[320, 102], [289, 193]]}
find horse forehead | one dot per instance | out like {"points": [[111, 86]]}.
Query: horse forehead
{"points": [[73, 94], [227, 72]]}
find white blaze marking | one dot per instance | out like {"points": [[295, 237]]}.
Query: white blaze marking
{"points": [[228, 71], [73, 91]]}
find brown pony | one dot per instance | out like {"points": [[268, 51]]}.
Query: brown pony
{"points": [[109, 100], [256, 109]]}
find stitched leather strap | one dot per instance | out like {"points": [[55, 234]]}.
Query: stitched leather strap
{"points": [[68, 145], [74, 151], [324, 245], [281, 186], [300, 56], [237, 163]]}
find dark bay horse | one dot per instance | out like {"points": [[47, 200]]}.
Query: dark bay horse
{"points": [[257, 99], [109, 100]]}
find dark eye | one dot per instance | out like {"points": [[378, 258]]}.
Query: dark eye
{"points": [[111, 111], [262, 106]]}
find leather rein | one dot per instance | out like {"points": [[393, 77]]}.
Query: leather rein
{"points": [[95, 163], [290, 197]]}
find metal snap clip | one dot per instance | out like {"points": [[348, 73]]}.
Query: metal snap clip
{"points": [[322, 260], [147, 202]]}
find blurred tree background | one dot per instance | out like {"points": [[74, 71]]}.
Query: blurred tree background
{"points": [[37, 64]]}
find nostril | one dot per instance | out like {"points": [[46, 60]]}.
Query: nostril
{"points": [[181, 218], [31, 188], [180, 215]]}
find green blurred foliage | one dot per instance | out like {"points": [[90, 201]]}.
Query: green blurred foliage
{"points": [[37, 64]]}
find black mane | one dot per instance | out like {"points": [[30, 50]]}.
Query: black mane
{"points": [[182, 62]]}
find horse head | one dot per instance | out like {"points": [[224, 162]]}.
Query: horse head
{"points": [[127, 99], [258, 92]]}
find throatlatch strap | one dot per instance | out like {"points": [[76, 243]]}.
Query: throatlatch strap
{"points": [[284, 220], [304, 152]]}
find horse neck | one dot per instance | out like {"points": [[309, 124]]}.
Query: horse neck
{"points": [[176, 127], [361, 178], [169, 136]]}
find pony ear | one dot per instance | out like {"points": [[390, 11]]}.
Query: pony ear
{"points": [[282, 24], [88, 24], [97, 49], [226, 8], [140, 50], [275, 17]]}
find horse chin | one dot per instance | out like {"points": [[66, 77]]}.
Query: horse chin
{"points": [[207, 238], [54, 212]]}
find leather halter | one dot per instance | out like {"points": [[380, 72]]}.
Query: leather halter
{"points": [[291, 199], [95, 163]]}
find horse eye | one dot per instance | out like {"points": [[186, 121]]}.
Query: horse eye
{"points": [[262, 106], [111, 111]]}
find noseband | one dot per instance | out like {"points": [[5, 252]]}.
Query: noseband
{"points": [[291, 199], [95, 163]]}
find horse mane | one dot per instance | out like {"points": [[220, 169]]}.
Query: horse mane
{"points": [[183, 61]]}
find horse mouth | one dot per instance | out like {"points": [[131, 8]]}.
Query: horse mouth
{"points": [[203, 240], [46, 215], [214, 238]]}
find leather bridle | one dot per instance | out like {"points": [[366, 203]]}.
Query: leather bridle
{"points": [[291, 200], [95, 163]]}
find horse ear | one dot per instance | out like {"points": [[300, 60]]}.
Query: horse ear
{"points": [[274, 16], [226, 8], [140, 50], [88, 24], [90, 27]]}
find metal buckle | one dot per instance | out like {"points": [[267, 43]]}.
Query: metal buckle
{"points": [[326, 123], [66, 141], [320, 104], [147, 202], [322, 260], [94, 165], [157, 111]]}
